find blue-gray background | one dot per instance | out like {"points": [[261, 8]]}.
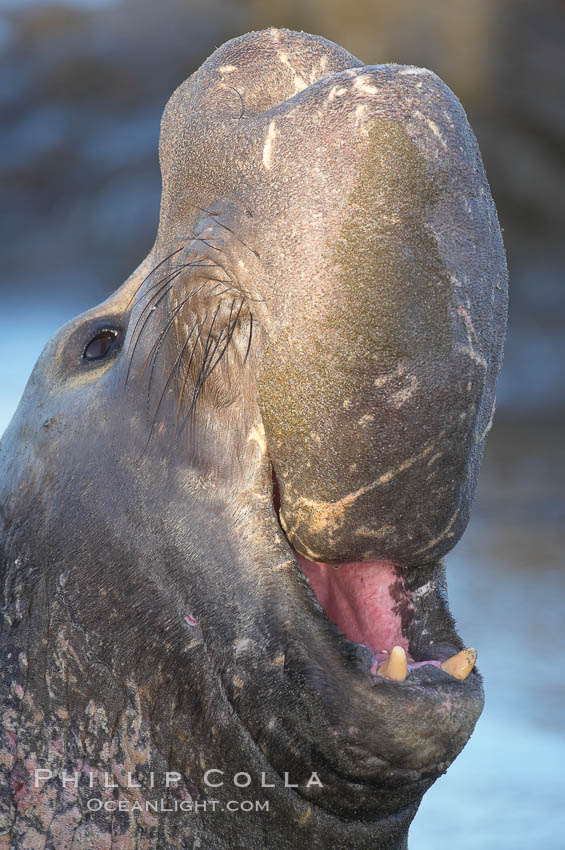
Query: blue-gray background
{"points": [[82, 87]]}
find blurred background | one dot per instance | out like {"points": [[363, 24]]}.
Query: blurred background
{"points": [[82, 87]]}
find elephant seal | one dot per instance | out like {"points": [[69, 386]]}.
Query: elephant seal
{"points": [[227, 490]]}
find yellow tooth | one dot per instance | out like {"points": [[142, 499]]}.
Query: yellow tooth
{"points": [[460, 665], [396, 665]]}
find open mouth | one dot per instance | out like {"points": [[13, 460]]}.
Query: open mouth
{"points": [[365, 600], [369, 603]]}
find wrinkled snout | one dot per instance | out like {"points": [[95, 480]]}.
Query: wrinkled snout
{"points": [[377, 386]]}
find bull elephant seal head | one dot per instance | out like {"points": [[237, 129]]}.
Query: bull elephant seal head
{"points": [[227, 490]]}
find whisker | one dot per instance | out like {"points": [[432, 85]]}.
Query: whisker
{"points": [[153, 270], [170, 322], [208, 363], [239, 239], [229, 334], [217, 279], [164, 281], [168, 288], [250, 335], [209, 244], [235, 285], [130, 364], [194, 236], [203, 374], [207, 346], [176, 364], [187, 371], [157, 345], [169, 277], [231, 330], [162, 396], [209, 350], [172, 270], [208, 342]]}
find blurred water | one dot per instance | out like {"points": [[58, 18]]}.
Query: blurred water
{"points": [[19, 5], [507, 590], [25, 327], [507, 789]]}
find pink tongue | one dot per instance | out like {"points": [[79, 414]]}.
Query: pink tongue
{"points": [[357, 597]]}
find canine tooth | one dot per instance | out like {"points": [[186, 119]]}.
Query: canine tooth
{"points": [[396, 665], [460, 665]]}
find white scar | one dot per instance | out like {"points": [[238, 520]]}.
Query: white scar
{"points": [[299, 82], [268, 147]]}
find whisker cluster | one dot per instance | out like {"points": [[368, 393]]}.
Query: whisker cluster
{"points": [[206, 341]]}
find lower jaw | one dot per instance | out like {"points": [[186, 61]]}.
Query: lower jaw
{"points": [[371, 739]]}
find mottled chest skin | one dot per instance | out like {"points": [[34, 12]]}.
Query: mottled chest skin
{"points": [[325, 301]]}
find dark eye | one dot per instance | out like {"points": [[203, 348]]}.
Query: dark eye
{"points": [[100, 345]]}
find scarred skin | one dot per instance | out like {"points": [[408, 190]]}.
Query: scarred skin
{"points": [[327, 227]]}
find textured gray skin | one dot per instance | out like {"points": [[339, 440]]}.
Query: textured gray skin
{"points": [[332, 223]]}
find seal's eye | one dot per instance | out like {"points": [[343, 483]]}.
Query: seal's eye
{"points": [[100, 345]]}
